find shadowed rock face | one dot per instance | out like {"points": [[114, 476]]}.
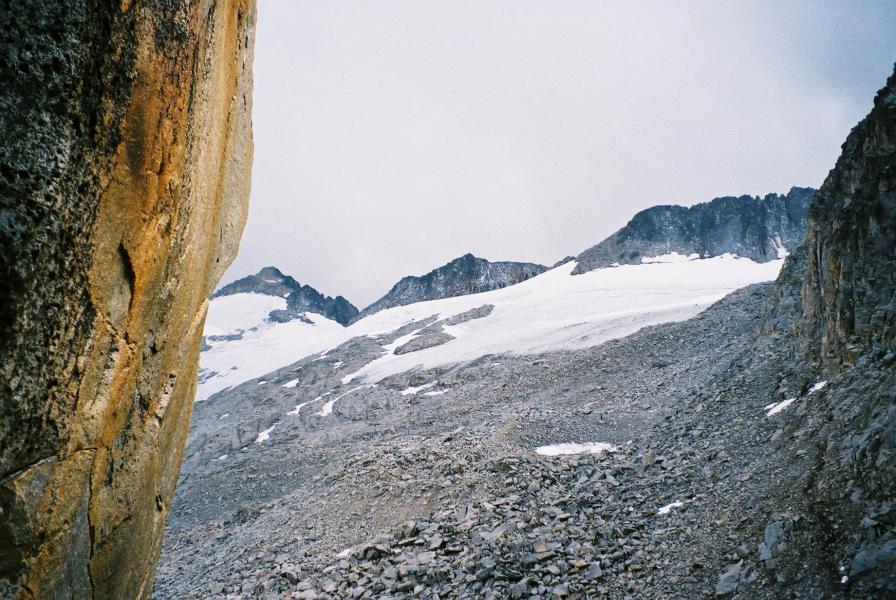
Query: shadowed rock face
{"points": [[465, 275], [299, 298], [124, 175], [849, 293], [833, 312], [756, 228]]}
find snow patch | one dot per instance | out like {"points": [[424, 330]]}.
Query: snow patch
{"points": [[817, 387], [327, 408], [268, 347], [413, 390], [564, 449], [291, 384], [773, 409], [557, 311], [400, 341], [436, 393], [779, 248], [299, 406], [265, 435], [228, 315], [672, 257], [664, 510]]}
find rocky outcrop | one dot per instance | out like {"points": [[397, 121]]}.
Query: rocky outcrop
{"points": [[299, 298], [849, 292], [465, 275], [269, 281], [832, 314], [762, 229], [124, 179]]}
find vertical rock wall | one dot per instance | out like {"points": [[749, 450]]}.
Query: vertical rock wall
{"points": [[849, 293], [832, 318], [124, 176]]}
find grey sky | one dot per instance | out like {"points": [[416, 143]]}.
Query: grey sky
{"points": [[391, 137]]}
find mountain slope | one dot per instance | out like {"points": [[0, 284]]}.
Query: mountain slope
{"points": [[758, 228], [300, 298], [551, 311], [748, 452], [526, 308], [465, 275]]}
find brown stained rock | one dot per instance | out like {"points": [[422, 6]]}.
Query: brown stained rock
{"points": [[124, 181]]}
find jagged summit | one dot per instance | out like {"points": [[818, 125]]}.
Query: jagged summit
{"points": [[300, 298], [467, 274], [761, 229], [269, 280]]}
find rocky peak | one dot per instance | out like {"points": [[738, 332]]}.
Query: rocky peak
{"points": [[271, 274], [300, 298], [762, 229], [269, 281], [467, 274]]}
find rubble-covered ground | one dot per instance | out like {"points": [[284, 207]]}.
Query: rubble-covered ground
{"points": [[428, 484]]}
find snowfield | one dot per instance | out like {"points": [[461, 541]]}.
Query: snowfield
{"points": [[229, 315], [262, 349], [553, 311]]}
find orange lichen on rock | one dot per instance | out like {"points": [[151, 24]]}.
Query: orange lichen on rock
{"points": [[157, 202]]}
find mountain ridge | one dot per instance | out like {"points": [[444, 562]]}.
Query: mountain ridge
{"points": [[299, 298], [467, 274], [761, 229]]}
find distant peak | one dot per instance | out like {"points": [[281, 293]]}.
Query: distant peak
{"points": [[467, 274], [754, 227], [271, 281], [270, 272]]}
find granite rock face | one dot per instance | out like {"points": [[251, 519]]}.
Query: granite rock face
{"points": [[752, 227], [299, 298], [465, 275], [124, 178]]}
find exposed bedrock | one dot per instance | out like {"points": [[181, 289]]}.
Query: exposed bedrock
{"points": [[849, 292], [833, 311], [124, 176], [465, 275], [761, 229]]}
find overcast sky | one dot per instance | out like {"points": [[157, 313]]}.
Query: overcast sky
{"points": [[391, 137]]}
